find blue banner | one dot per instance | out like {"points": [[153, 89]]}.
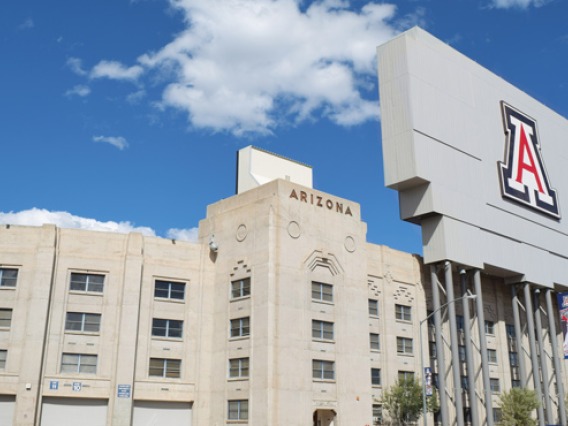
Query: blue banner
{"points": [[563, 310]]}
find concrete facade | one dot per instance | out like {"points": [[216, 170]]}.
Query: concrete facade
{"points": [[285, 322]]}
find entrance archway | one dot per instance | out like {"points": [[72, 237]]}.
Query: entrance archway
{"points": [[324, 417]]}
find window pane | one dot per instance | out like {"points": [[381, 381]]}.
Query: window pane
{"points": [[156, 367], [92, 323], [5, 317], [95, 283], [177, 291], [88, 364], [374, 341], [159, 327], [373, 307], [173, 368], [78, 281], [376, 376], [74, 321], [161, 289], [175, 328], [3, 356], [8, 277], [321, 291], [87, 282]]}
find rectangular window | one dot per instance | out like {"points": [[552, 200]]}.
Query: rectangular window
{"points": [[497, 415], [5, 318], [8, 277], [238, 409], [373, 307], [83, 322], [510, 330], [240, 327], [79, 363], [323, 370], [3, 356], [167, 328], [515, 383], [375, 342], [322, 330], [514, 359], [376, 376], [240, 288], [92, 283], [322, 292], [238, 368], [489, 327], [494, 385], [460, 322], [405, 375], [169, 290], [464, 382], [433, 349], [404, 345], [461, 353], [492, 356], [165, 367], [377, 414], [403, 312]]}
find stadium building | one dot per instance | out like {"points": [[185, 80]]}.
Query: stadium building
{"points": [[280, 314]]}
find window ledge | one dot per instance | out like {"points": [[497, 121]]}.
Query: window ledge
{"points": [[87, 293], [314, 339], [323, 302], [405, 354], [332, 381], [166, 299], [167, 339], [236, 338], [83, 333], [238, 299], [238, 379]]}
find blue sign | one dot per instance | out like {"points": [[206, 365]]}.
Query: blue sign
{"points": [[123, 391], [54, 384]]}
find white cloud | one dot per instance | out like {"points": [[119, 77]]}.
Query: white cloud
{"points": [[27, 24], [116, 141], [115, 71], [79, 90], [247, 66], [38, 217], [189, 234], [76, 65], [517, 4]]}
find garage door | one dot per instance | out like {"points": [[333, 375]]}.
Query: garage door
{"points": [[158, 413], [7, 403], [73, 412]]}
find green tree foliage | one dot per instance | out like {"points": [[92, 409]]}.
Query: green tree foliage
{"points": [[517, 407], [403, 401]]}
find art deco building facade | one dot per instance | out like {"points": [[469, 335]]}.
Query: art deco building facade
{"points": [[281, 314]]}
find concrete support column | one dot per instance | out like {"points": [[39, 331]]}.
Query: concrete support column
{"points": [[543, 363], [518, 338], [468, 351], [483, 347], [439, 346], [454, 343], [555, 358], [534, 353]]}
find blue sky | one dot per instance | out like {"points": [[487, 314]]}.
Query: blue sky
{"points": [[123, 115]]}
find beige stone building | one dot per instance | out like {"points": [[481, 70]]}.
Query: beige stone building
{"points": [[281, 314]]}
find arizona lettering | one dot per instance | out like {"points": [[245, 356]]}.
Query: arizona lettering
{"points": [[319, 201]]}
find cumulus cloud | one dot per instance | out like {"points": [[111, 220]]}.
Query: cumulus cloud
{"points": [[27, 24], [189, 234], [76, 65], [38, 217], [248, 66], [115, 71], [517, 4], [78, 90], [116, 141]]}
